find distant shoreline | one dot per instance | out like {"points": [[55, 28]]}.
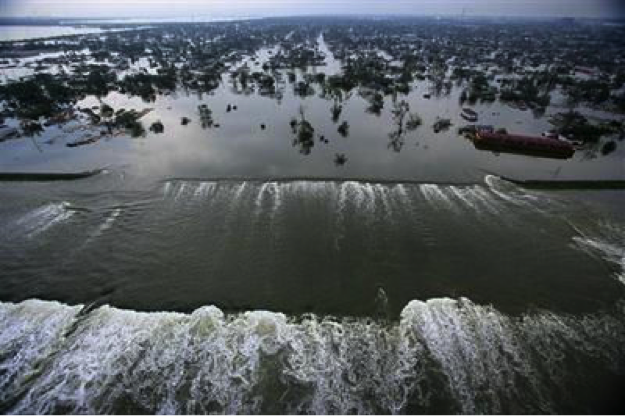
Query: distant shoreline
{"points": [[204, 18]]}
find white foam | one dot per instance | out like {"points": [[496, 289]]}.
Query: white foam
{"points": [[309, 188], [180, 189], [482, 197], [107, 224], [276, 191], [41, 219], [29, 332], [511, 193], [166, 188], [461, 194], [494, 183], [384, 197], [609, 243], [273, 189], [239, 192], [435, 195], [343, 195], [475, 347], [211, 362], [369, 191], [110, 220], [401, 191], [260, 194]]}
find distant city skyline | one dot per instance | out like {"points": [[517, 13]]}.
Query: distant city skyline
{"points": [[159, 9]]}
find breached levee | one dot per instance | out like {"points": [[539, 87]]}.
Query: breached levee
{"points": [[443, 355], [367, 198]]}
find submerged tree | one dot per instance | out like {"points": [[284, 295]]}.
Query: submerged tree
{"points": [[463, 97], [441, 125], [343, 129], [206, 116], [340, 159], [414, 121], [376, 103], [157, 127], [399, 112], [303, 89], [137, 129], [336, 110], [128, 120], [31, 128], [608, 148], [304, 132], [106, 111]]}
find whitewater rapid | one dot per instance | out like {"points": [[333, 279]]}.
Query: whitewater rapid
{"points": [[268, 200], [58, 358], [442, 355]]}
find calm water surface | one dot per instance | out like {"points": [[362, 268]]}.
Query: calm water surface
{"points": [[15, 32]]}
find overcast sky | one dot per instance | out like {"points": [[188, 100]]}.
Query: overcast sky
{"points": [[224, 8]]}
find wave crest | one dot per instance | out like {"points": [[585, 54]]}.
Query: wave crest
{"points": [[443, 352]]}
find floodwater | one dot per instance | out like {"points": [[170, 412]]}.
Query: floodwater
{"points": [[239, 147], [17, 32], [223, 270]]}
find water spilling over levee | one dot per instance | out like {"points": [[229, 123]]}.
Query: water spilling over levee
{"points": [[312, 246], [367, 199], [267, 201], [303, 241], [442, 355]]}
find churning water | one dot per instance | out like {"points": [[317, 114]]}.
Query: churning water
{"points": [[443, 355], [308, 296]]}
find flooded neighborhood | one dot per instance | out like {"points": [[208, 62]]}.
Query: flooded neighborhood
{"points": [[312, 214]]}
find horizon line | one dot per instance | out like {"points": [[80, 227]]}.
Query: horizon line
{"points": [[311, 15]]}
